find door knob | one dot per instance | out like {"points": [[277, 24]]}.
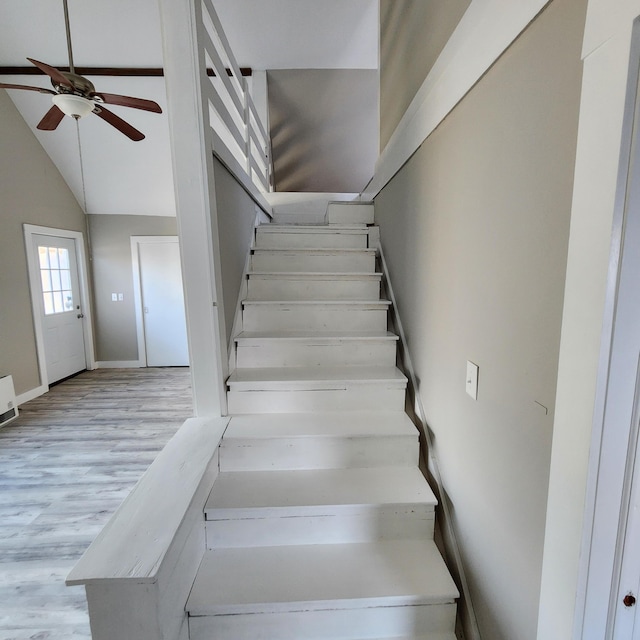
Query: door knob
{"points": [[80, 315], [629, 600]]}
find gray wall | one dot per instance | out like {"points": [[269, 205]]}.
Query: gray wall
{"points": [[475, 231], [324, 128], [31, 191], [236, 219], [115, 322], [412, 35]]}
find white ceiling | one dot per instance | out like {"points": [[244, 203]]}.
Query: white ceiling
{"points": [[105, 170]]}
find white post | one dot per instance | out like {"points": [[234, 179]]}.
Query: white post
{"points": [[192, 158]]}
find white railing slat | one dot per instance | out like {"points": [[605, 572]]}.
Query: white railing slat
{"points": [[221, 71], [222, 111], [245, 125]]}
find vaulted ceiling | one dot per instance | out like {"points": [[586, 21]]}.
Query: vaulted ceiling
{"points": [[105, 170]]}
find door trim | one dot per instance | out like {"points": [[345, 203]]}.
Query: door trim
{"points": [[136, 241], [615, 424], [34, 286]]}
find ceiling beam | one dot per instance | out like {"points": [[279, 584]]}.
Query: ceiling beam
{"points": [[141, 72]]}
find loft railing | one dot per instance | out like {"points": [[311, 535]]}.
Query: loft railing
{"points": [[232, 113]]}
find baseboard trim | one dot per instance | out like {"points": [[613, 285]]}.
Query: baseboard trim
{"points": [[120, 364], [471, 629], [32, 394]]}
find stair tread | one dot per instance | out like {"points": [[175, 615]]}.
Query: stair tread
{"points": [[314, 425], [246, 336], [341, 576], [302, 492], [298, 377]]}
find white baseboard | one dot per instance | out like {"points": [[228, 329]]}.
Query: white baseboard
{"points": [[119, 364], [31, 394]]}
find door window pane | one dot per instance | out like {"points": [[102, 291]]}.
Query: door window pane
{"points": [[55, 277], [48, 303], [63, 258], [45, 275], [43, 256]]}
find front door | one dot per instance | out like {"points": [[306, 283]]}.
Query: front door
{"points": [[60, 306]]}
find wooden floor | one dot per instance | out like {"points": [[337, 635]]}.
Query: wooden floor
{"points": [[66, 464]]}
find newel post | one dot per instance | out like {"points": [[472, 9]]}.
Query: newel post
{"points": [[192, 158]]}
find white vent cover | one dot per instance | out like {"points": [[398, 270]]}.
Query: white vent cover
{"points": [[8, 406]]}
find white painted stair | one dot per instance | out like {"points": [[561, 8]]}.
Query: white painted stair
{"points": [[320, 524]]}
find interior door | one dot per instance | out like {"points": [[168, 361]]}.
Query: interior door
{"points": [[60, 306], [165, 326]]}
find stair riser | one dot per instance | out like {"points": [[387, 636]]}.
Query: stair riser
{"points": [[384, 523], [373, 396], [303, 289], [313, 318], [301, 240], [307, 262], [319, 625], [350, 213], [289, 454], [296, 353]]}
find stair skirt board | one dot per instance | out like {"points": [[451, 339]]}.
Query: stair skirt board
{"points": [[313, 286], [277, 350], [314, 260]]}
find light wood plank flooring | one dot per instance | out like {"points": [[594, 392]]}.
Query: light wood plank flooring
{"points": [[66, 464]]}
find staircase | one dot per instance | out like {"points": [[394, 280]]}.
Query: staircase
{"points": [[320, 524]]}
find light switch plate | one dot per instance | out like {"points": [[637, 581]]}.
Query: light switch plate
{"points": [[472, 379], [114, 297]]}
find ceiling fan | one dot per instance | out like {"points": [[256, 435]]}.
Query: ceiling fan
{"points": [[75, 96]]}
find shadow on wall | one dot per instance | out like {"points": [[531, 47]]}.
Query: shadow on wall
{"points": [[324, 128]]}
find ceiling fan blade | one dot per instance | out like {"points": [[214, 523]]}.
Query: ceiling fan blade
{"points": [[52, 72], [128, 101], [26, 88], [51, 119], [119, 124]]}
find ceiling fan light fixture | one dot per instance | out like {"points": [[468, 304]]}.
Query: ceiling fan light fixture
{"points": [[72, 105]]}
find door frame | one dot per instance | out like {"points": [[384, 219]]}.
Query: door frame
{"points": [[136, 241], [615, 431], [36, 304]]}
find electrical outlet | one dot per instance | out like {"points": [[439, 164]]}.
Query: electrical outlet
{"points": [[120, 297], [472, 379]]}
